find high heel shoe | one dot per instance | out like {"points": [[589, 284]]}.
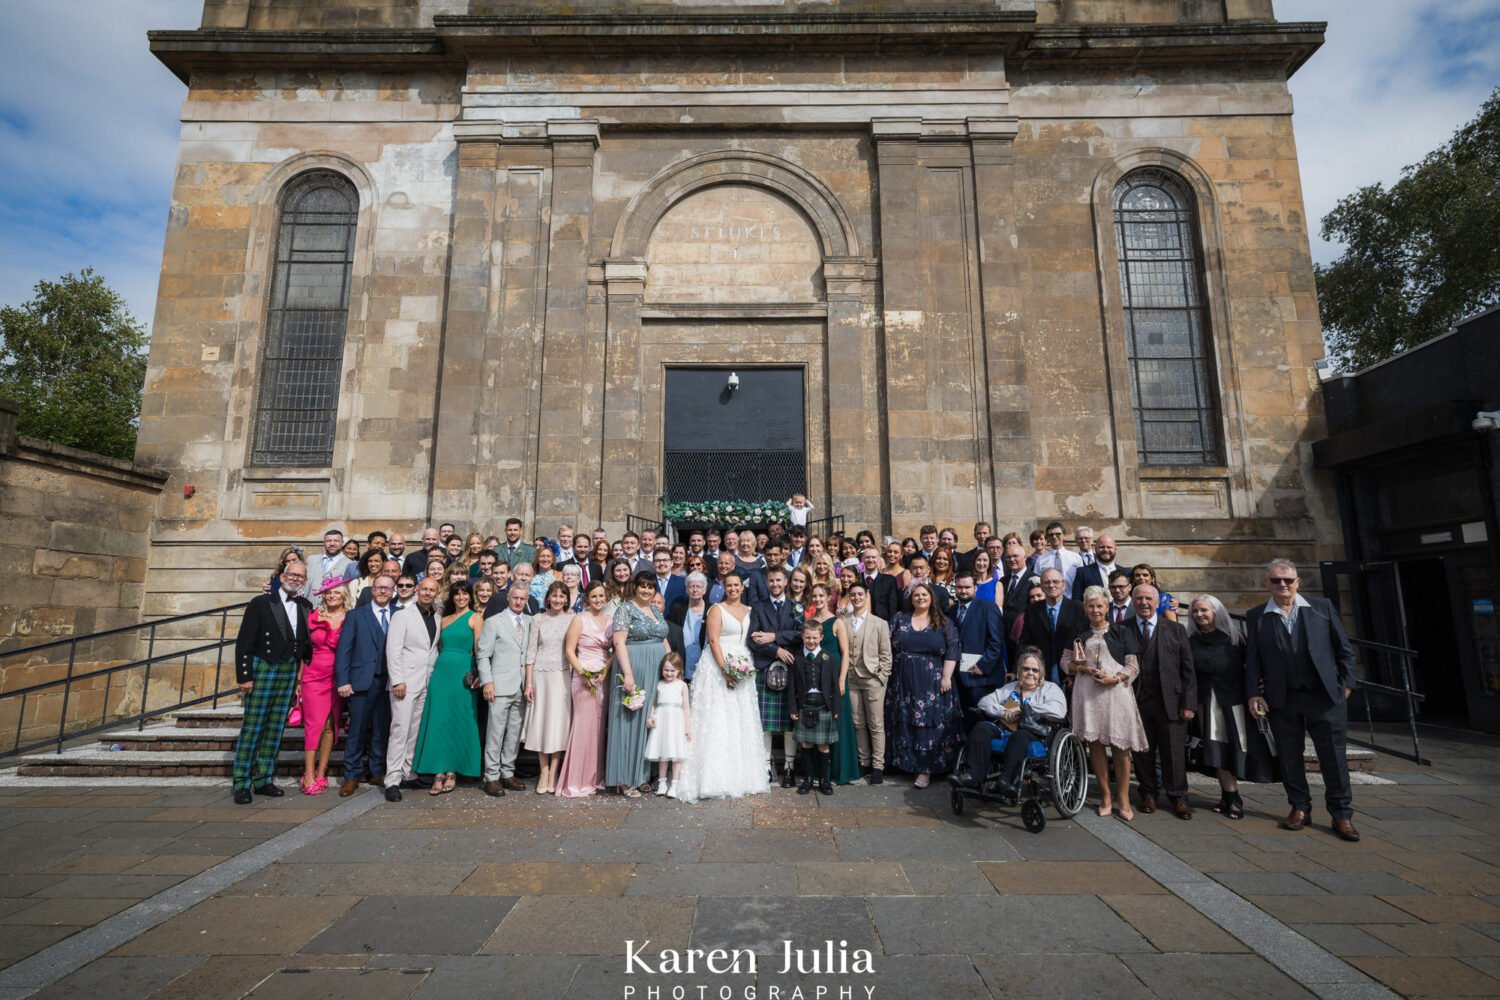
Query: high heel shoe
{"points": [[1236, 807]]}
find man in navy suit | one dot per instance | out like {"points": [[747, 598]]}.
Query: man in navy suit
{"points": [[671, 588], [1299, 667], [359, 672], [981, 632]]}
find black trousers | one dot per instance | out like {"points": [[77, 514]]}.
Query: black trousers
{"points": [[369, 731], [1166, 740], [1312, 713], [979, 751]]}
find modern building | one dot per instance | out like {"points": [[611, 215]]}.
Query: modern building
{"points": [[1415, 443], [1010, 260]]}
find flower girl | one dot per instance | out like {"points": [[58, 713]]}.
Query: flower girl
{"points": [[671, 728]]}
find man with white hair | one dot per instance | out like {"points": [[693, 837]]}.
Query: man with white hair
{"points": [[1299, 659]]}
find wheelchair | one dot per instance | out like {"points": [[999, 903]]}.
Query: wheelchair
{"points": [[1055, 771]]}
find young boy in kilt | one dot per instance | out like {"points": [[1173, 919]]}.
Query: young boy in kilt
{"points": [[814, 702]]}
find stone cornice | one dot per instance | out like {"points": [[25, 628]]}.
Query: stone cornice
{"points": [[454, 39]]}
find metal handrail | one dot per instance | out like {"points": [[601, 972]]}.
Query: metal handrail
{"points": [[152, 658], [833, 522]]}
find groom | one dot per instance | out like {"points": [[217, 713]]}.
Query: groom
{"points": [[775, 634]]}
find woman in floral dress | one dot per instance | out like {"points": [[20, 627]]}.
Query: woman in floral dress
{"points": [[924, 724]]}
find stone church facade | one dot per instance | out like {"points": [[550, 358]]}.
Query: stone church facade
{"points": [[1027, 259]]}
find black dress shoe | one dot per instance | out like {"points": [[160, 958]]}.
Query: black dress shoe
{"points": [[877, 777], [788, 778], [242, 796], [393, 794], [269, 790]]}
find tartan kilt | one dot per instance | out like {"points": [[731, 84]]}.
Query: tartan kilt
{"points": [[772, 706], [827, 729]]}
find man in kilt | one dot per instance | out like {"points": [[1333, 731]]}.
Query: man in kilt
{"points": [[813, 691], [775, 634], [269, 652]]}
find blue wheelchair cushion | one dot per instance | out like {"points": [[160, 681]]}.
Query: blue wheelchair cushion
{"points": [[1037, 750]]}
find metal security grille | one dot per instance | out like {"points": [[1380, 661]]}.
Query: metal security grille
{"points": [[309, 309], [734, 475], [1166, 324]]}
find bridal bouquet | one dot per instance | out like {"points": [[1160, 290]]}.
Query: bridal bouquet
{"points": [[738, 666], [635, 700], [593, 678]]}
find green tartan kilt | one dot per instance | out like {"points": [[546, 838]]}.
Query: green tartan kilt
{"points": [[772, 706], [827, 729]]}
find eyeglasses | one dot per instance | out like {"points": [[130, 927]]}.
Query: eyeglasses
{"points": [[405, 586], [1285, 581], [1054, 534]]}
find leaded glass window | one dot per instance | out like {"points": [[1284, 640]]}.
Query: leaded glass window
{"points": [[305, 322], [1166, 321]]}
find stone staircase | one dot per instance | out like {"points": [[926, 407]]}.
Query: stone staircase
{"points": [[197, 742]]}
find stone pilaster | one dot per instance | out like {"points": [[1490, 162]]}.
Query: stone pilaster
{"points": [[620, 473]]}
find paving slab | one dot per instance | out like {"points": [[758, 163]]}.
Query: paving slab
{"points": [[414, 878], [1345, 940], [1448, 909], [231, 977], [851, 878], [1349, 883], [467, 977], [286, 878], [1059, 977], [320, 984], [557, 925], [1172, 925], [1429, 977], [118, 978], [761, 924], [110, 886], [923, 845], [768, 846], [1268, 884], [242, 925], [940, 878], [604, 976], [413, 925], [1243, 977], [627, 846], [20, 941], [547, 878], [969, 925], [713, 878], [1067, 878], [1435, 940], [1329, 909], [70, 911]]}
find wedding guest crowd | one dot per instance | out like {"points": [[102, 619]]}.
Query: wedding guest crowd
{"points": [[736, 659]]}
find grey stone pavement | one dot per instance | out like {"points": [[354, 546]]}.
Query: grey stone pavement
{"points": [[174, 893]]}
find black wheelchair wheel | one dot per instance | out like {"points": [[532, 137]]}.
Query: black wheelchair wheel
{"points": [[1033, 817], [1068, 767], [957, 802]]}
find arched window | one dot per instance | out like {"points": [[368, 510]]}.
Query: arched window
{"points": [[1167, 336], [309, 309]]}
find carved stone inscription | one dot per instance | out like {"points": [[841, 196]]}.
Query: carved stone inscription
{"points": [[734, 243]]}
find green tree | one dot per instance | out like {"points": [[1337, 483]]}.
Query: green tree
{"points": [[1420, 256], [75, 360]]}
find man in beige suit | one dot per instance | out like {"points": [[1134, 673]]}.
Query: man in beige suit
{"points": [[869, 670], [502, 666], [410, 651]]}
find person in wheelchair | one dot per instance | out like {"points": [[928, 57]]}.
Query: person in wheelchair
{"points": [[1023, 709]]}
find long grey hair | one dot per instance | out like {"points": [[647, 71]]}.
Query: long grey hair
{"points": [[1223, 621]]}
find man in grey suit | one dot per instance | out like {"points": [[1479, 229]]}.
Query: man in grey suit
{"points": [[410, 652], [502, 666], [869, 670], [1299, 667]]}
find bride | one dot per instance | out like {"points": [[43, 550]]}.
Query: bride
{"points": [[729, 756]]}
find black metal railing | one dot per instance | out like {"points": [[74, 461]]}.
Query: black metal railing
{"points": [[825, 526], [200, 653], [638, 524]]}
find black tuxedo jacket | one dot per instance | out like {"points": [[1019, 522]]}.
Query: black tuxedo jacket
{"points": [[1071, 623], [266, 634], [1269, 652], [1013, 603], [1169, 655], [1088, 576], [787, 624], [805, 674], [885, 596]]}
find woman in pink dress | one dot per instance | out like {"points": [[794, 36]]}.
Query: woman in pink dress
{"points": [[321, 705], [587, 647]]}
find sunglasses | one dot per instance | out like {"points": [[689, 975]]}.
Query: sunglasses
{"points": [[405, 586], [1284, 580]]}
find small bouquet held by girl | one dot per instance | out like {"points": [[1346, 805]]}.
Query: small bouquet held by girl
{"points": [[635, 700], [737, 667]]}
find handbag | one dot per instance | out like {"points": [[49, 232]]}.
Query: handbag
{"points": [[776, 676], [472, 680], [294, 717]]}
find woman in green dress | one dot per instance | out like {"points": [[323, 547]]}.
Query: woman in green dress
{"points": [[447, 743], [844, 767]]}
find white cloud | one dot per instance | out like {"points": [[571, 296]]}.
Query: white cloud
{"points": [[1392, 82]]}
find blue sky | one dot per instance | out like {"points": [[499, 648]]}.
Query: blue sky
{"points": [[88, 121]]}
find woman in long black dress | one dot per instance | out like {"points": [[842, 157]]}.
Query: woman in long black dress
{"points": [[923, 721], [1233, 748]]}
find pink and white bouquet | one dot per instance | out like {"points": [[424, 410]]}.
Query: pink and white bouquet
{"points": [[737, 667], [635, 700]]}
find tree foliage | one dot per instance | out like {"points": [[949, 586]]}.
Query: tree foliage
{"points": [[1420, 256], [75, 360]]}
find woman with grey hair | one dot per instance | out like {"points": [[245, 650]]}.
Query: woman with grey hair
{"points": [[1105, 714], [690, 614], [1233, 748]]}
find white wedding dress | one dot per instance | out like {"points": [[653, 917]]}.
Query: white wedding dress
{"points": [[728, 755]]}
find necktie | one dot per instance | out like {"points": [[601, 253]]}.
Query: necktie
{"points": [[1145, 631], [777, 606], [1120, 615], [1052, 614], [963, 609], [384, 621]]}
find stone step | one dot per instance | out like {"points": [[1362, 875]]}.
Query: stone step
{"points": [[226, 714], [169, 739], [93, 762]]}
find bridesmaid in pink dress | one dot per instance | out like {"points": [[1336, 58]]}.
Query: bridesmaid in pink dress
{"points": [[587, 648], [321, 705]]}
